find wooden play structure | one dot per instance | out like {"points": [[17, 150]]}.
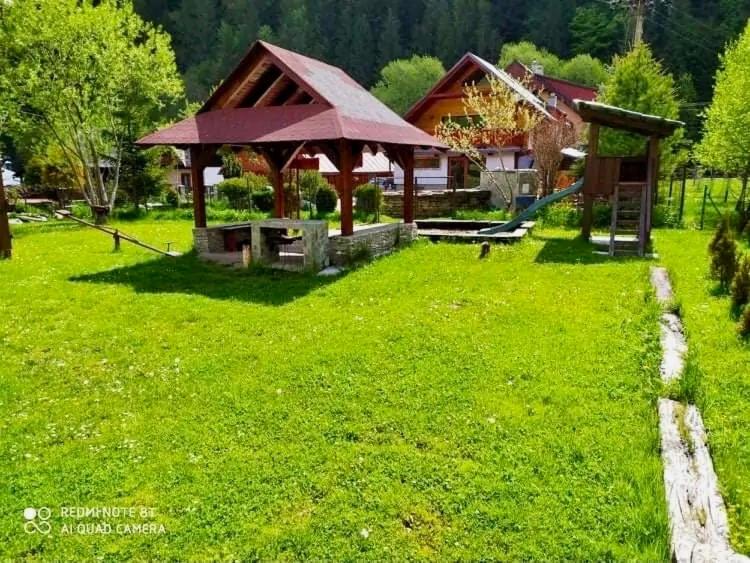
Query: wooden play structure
{"points": [[117, 235], [628, 183]]}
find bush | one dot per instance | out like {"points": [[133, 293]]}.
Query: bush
{"points": [[325, 199], [723, 250], [744, 326], [263, 200], [665, 216], [171, 197], [741, 284], [369, 198], [236, 192]]}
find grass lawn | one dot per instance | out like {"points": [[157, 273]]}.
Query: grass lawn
{"points": [[427, 406], [723, 362]]}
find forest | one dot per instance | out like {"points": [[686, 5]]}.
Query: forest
{"points": [[362, 36]]}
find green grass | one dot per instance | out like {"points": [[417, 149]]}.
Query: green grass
{"points": [[453, 408], [718, 370], [719, 188]]}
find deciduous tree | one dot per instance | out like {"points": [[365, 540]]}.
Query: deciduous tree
{"points": [[726, 141], [404, 81], [492, 116], [91, 77]]}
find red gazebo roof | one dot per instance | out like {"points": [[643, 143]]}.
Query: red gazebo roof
{"points": [[278, 96]]}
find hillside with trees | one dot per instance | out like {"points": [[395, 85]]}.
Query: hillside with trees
{"points": [[363, 36]]}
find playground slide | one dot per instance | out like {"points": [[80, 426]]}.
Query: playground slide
{"points": [[530, 211]]}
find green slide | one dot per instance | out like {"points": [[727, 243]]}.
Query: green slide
{"points": [[531, 210]]}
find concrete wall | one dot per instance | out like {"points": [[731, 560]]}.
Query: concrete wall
{"points": [[437, 204], [520, 182], [369, 242]]}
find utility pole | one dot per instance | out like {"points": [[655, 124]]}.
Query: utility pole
{"points": [[640, 12], [5, 243]]}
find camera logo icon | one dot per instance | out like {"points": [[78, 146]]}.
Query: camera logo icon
{"points": [[37, 520]]}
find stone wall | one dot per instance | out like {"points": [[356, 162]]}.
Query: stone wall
{"points": [[437, 204], [370, 242], [208, 240]]}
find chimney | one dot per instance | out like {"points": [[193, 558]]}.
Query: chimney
{"points": [[552, 101], [537, 67]]}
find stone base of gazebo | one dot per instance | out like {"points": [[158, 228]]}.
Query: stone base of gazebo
{"points": [[369, 241], [314, 247]]}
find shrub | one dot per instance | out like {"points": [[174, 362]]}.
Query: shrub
{"points": [[723, 250], [369, 198], [665, 216], [263, 200], [310, 181], [236, 192], [325, 199], [744, 326], [741, 284], [171, 197]]}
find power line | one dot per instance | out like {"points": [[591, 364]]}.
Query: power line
{"points": [[685, 37]]}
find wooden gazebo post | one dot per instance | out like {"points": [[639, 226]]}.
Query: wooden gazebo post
{"points": [[408, 167], [199, 156], [5, 240], [346, 166]]}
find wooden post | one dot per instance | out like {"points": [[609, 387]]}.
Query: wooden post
{"points": [[116, 236], [408, 165], [5, 240], [652, 181], [277, 181], [346, 166], [197, 160], [590, 178]]}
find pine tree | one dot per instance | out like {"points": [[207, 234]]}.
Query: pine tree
{"points": [[294, 26], [389, 42], [638, 82]]}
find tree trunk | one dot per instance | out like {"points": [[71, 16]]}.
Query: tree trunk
{"points": [[101, 213], [5, 241]]}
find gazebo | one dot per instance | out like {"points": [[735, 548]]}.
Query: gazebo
{"points": [[281, 104]]}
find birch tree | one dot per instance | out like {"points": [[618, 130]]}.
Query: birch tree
{"points": [[726, 139], [89, 77]]}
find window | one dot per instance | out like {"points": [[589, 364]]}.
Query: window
{"points": [[185, 180], [431, 162]]}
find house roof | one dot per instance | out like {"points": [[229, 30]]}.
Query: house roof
{"points": [[563, 89], [458, 70], [621, 118], [279, 96]]}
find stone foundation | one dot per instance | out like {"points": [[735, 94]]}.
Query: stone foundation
{"points": [[369, 242], [314, 251], [208, 240], [437, 204]]}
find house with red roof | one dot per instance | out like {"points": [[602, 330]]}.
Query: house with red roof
{"points": [[556, 93], [445, 100]]}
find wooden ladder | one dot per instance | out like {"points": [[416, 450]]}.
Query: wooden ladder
{"points": [[628, 219]]}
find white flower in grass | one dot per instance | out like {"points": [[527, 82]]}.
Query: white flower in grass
{"points": [[365, 533]]}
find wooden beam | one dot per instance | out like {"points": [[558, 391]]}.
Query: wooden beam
{"points": [[652, 179], [267, 97], [589, 179], [299, 97], [407, 158], [6, 246], [346, 165], [200, 156], [279, 157]]}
